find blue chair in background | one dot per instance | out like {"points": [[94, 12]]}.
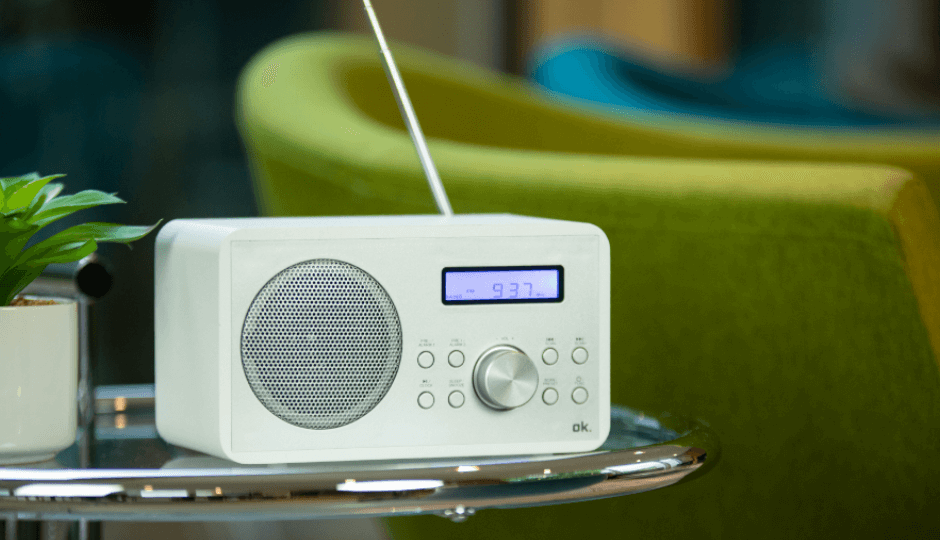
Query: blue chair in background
{"points": [[775, 84]]}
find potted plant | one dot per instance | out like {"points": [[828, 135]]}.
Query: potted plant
{"points": [[39, 337]]}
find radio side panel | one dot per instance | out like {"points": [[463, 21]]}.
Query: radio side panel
{"points": [[187, 270], [604, 330]]}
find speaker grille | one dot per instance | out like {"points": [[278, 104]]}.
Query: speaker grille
{"points": [[321, 344]]}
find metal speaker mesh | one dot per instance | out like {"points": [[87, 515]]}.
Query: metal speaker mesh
{"points": [[321, 344]]}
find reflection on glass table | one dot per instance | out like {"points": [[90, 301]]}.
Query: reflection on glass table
{"points": [[135, 475]]}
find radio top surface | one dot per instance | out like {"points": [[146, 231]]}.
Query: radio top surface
{"points": [[421, 225]]}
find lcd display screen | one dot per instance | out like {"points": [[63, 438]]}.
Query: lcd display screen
{"points": [[503, 285]]}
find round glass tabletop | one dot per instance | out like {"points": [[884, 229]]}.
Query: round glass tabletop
{"points": [[132, 474]]}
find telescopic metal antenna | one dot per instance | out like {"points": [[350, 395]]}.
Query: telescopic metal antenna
{"points": [[408, 114]]}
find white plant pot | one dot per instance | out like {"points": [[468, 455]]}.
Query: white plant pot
{"points": [[38, 381]]}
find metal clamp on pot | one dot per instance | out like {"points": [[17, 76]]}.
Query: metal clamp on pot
{"points": [[86, 280]]}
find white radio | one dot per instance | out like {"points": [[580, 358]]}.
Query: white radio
{"points": [[286, 340], [328, 339]]}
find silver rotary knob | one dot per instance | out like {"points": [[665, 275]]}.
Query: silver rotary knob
{"points": [[505, 378]]}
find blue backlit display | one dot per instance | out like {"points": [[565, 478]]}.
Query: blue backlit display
{"points": [[507, 284]]}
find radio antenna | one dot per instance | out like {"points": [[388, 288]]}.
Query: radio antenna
{"points": [[408, 114]]}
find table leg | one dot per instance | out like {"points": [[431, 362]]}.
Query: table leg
{"points": [[16, 529], [9, 527], [87, 530]]}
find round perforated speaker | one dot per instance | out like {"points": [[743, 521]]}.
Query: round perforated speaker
{"points": [[321, 344]]}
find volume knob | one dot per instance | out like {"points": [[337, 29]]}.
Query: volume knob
{"points": [[505, 378]]}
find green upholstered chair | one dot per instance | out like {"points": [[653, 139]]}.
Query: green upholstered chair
{"points": [[792, 304]]}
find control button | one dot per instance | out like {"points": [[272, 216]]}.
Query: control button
{"points": [[455, 399], [426, 359], [549, 356], [550, 396], [579, 355], [505, 378], [579, 395], [426, 400], [455, 358]]}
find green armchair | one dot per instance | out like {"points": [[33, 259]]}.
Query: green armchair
{"points": [[792, 304]]}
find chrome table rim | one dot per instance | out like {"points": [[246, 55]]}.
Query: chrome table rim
{"points": [[454, 488]]}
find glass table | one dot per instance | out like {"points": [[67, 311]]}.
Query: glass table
{"points": [[131, 474]]}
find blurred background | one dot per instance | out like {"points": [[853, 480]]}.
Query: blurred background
{"points": [[137, 97]]}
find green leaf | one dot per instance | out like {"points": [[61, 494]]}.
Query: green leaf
{"points": [[107, 232], [47, 193], [11, 184], [64, 253], [14, 234], [101, 232], [14, 280], [34, 207], [60, 207], [51, 191], [15, 222], [24, 192]]}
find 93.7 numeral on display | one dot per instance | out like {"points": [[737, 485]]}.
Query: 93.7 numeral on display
{"points": [[513, 290]]}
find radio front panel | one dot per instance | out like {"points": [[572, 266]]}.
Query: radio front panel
{"points": [[437, 304]]}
